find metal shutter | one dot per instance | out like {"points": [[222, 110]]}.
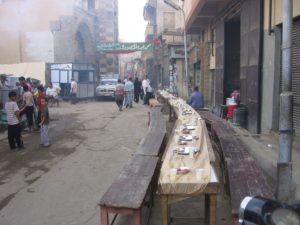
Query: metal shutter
{"points": [[296, 75]]}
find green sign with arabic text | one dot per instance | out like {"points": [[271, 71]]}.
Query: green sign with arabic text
{"points": [[124, 47]]}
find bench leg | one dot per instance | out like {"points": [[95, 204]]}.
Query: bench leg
{"points": [[211, 209], [170, 113], [164, 207], [104, 216], [137, 217]]}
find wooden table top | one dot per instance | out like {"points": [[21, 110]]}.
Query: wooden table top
{"points": [[188, 183]]}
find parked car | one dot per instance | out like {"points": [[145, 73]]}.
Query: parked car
{"points": [[106, 88], [14, 79]]}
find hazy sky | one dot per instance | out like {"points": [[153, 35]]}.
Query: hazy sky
{"points": [[131, 22]]}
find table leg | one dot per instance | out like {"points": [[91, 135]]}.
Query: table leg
{"points": [[137, 217], [164, 209], [104, 216], [170, 113], [211, 209]]}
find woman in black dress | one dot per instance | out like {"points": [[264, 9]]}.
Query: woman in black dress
{"points": [[137, 89]]}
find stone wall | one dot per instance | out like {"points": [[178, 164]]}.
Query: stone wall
{"points": [[67, 35]]}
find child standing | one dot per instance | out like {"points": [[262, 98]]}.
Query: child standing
{"points": [[44, 122], [14, 127]]}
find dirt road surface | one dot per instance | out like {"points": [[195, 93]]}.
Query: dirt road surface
{"points": [[62, 184]]}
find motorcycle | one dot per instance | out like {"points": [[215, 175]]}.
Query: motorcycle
{"points": [[262, 211]]}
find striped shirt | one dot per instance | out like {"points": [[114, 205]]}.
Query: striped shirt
{"points": [[11, 108]]}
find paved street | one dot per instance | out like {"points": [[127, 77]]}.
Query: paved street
{"points": [[61, 185]]}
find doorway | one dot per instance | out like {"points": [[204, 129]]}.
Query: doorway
{"points": [[232, 55]]}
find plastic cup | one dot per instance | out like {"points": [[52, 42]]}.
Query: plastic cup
{"points": [[199, 173], [173, 173]]}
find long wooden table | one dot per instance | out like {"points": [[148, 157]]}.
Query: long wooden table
{"points": [[188, 184], [211, 191]]}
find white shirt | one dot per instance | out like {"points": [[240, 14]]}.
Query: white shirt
{"points": [[28, 98], [73, 87], [53, 91], [10, 108], [145, 84]]}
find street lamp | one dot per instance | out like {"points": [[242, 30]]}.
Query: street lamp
{"points": [[177, 7]]}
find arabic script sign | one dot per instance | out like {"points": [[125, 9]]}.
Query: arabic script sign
{"points": [[125, 47]]}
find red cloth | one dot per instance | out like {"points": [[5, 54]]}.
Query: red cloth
{"points": [[230, 110], [39, 100], [29, 86]]}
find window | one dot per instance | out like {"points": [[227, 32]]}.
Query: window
{"points": [[91, 4], [169, 20]]}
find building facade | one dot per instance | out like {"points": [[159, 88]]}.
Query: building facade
{"points": [[165, 65], [56, 31], [242, 49]]}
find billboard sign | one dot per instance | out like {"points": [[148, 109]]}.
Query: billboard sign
{"points": [[117, 47]]}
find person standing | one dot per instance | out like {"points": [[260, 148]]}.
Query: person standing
{"points": [[39, 96], [23, 82], [3, 81], [137, 89], [149, 94], [13, 122], [145, 84], [119, 94], [52, 93], [73, 91], [196, 99], [44, 123], [129, 89], [29, 102]]}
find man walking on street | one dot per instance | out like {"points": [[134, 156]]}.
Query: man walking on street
{"points": [[73, 91], [145, 85], [129, 88]]}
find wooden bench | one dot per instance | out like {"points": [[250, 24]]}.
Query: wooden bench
{"points": [[155, 140], [238, 164], [156, 120], [128, 192], [153, 144], [139, 176]]}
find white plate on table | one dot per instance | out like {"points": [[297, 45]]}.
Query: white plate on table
{"points": [[190, 127], [186, 138], [186, 150]]}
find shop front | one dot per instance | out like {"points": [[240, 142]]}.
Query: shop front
{"points": [[83, 74]]}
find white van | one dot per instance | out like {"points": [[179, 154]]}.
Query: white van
{"points": [[106, 88]]}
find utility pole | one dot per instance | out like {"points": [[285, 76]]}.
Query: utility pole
{"points": [[284, 164]]}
